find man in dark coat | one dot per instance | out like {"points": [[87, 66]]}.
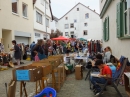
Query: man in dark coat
{"points": [[17, 53]]}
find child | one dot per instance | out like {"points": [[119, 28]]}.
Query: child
{"points": [[36, 57]]}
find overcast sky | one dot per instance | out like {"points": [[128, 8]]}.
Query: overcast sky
{"points": [[60, 7]]}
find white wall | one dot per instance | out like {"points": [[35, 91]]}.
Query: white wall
{"points": [[119, 47], [94, 23], [53, 25], [15, 22], [41, 28]]}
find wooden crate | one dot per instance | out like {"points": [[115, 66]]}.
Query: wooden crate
{"points": [[47, 67], [34, 73]]}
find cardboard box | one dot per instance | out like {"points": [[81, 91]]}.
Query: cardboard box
{"points": [[58, 61], [12, 89], [53, 62], [47, 67], [127, 82], [78, 72], [27, 73], [59, 57]]}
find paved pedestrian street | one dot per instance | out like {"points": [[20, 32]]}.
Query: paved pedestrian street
{"points": [[6, 76], [71, 87], [80, 88]]}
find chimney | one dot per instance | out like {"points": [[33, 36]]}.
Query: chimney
{"points": [[94, 10], [88, 6]]}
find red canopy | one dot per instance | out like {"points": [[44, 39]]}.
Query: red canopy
{"points": [[72, 39], [60, 38]]}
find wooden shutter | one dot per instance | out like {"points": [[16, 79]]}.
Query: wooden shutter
{"points": [[104, 31], [107, 29], [119, 20]]}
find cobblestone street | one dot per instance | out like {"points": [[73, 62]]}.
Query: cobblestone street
{"points": [[71, 87]]}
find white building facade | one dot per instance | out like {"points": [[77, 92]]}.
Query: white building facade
{"points": [[54, 24], [16, 22], [115, 15], [42, 19], [81, 22]]}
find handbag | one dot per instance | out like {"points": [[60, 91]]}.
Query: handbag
{"points": [[42, 56]]}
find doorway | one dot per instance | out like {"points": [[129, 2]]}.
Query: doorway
{"points": [[6, 39]]}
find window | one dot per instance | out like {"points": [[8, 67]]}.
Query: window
{"points": [[42, 2], [85, 32], [24, 10], [72, 33], [77, 9], [47, 22], [47, 5], [66, 33], [66, 18], [87, 16], [38, 17], [85, 24], [37, 34], [106, 29], [71, 25], [75, 20], [66, 26], [123, 19], [15, 6], [127, 18]]}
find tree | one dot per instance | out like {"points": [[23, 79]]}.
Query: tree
{"points": [[55, 34]]}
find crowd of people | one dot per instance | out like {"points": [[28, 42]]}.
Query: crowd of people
{"points": [[43, 49]]}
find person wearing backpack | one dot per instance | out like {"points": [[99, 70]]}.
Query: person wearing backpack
{"points": [[17, 53]]}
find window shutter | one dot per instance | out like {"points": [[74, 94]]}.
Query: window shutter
{"points": [[104, 31], [119, 20], [107, 28]]}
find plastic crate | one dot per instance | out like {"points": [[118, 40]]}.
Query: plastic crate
{"points": [[47, 92]]}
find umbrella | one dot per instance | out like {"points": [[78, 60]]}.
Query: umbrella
{"points": [[82, 39], [72, 38], [60, 38]]}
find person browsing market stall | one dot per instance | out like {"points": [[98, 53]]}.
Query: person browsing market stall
{"points": [[101, 78]]}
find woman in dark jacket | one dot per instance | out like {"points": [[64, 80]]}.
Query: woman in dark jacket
{"points": [[38, 49], [17, 54]]}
